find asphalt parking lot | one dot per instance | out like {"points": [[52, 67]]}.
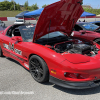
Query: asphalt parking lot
{"points": [[15, 81]]}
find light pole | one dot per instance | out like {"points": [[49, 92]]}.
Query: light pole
{"points": [[14, 5]]}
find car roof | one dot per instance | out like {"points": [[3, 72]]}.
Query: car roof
{"points": [[17, 25], [95, 22]]}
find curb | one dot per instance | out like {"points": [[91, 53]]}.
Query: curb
{"points": [[13, 18], [3, 18]]}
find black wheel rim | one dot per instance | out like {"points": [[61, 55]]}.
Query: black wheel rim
{"points": [[36, 69]]}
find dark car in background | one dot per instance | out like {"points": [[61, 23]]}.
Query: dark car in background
{"points": [[96, 23], [87, 31], [86, 26], [2, 23]]}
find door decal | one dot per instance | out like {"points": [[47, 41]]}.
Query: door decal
{"points": [[11, 47]]}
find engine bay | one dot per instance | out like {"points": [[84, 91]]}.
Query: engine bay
{"points": [[64, 44], [75, 46]]}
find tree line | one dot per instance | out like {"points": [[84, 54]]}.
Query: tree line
{"points": [[6, 5]]}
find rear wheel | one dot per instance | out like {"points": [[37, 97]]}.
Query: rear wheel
{"points": [[1, 53], [97, 41], [38, 69]]}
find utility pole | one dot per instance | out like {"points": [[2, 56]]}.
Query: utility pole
{"points": [[14, 5], [27, 4]]}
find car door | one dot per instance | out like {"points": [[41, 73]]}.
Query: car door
{"points": [[12, 48], [12, 45], [7, 44], [17, 49]]}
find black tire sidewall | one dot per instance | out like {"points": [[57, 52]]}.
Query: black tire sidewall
{"points": [[44, 66], [1, 53]]}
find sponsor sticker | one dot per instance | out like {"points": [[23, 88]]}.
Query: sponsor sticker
{"points": [[26, 65], [11, 47]]}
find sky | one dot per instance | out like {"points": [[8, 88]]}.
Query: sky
{"points": [[40, 3]]}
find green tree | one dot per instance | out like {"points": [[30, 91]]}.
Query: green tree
{"points": [[30, 8], [82, 2], [12, 7], [6, 5], [35, 7], [17, 7], [26, 5], [44, 6]]}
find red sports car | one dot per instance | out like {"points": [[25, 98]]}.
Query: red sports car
{"points": [[48, 52], [87, 31]]}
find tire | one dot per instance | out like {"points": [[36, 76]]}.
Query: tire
{"points": [[38, 69], [97, 41], [1, 53]]}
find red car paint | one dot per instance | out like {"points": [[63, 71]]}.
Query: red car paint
{"points": [[58, 63], [89, 35], [63, 18]]}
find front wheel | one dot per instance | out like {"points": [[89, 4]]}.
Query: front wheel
{"points": [[38, 69]]}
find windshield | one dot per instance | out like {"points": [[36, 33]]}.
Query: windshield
{"points": [[27, 32], [52, 35], [89, 26]]}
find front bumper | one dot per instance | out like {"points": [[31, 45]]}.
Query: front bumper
{"points": [[74, 85]]}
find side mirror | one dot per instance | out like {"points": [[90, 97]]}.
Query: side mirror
{"points": [[17, 38], [82, 31]]}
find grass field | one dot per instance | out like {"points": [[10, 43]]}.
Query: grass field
{"points": [[14, 13], [9, 13], [94, 11]]}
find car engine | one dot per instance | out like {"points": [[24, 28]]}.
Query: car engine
{"points": [[72, 47], [80, 48]]}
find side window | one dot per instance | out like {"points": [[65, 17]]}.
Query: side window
{"points": [[9, 32], [77, 28], [13, 32], [97, 24], [16, 32]]}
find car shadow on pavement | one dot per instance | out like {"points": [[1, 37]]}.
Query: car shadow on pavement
{"points": [[79, 91], [12, 60], [70, 91], [47, 83], [16, 63]]}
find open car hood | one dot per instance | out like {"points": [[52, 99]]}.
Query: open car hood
{"points": [[59, 16]]}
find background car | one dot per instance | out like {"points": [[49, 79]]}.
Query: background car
{"points": [[86, 26], [19, 21], [96, 23], [2, 23], [87, 31]]}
